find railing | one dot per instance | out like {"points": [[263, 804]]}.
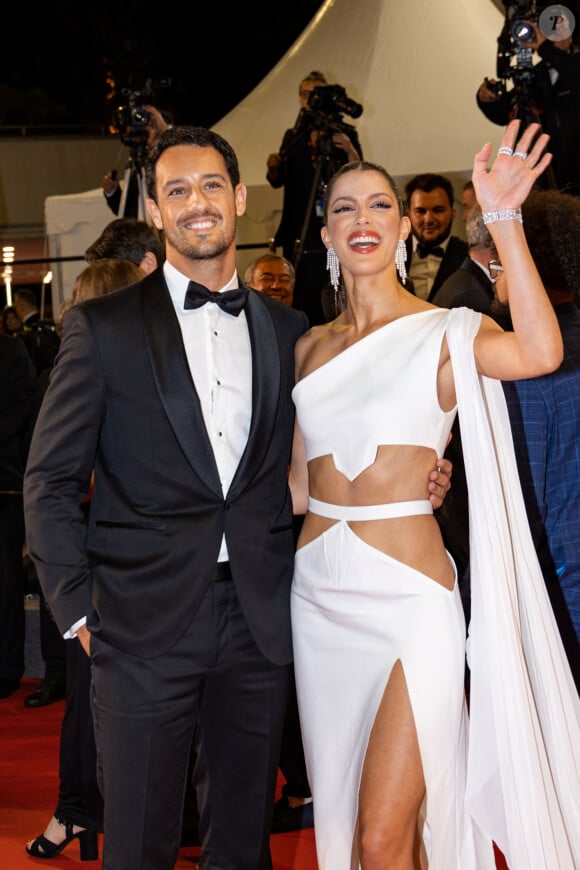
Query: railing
{"points": [[81, 258], [60, 130]]}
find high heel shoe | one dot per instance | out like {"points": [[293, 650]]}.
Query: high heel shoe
{"points": [[88, 842]]}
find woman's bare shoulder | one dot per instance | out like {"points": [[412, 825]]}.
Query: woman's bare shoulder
{"points": [[310, 347]]}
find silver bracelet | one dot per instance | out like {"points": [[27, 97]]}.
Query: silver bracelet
{"points": [[504, 214]]}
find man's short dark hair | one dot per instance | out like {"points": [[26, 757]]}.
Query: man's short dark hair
{"points": [[126, 239], [428, 181], [184, 135], [26, 295]]}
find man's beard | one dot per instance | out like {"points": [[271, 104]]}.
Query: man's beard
{"points": [[436, 240], [199, 249]]}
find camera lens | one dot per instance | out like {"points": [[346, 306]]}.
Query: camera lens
{"points": [[522, 32], [351, 108], [139, 117]]}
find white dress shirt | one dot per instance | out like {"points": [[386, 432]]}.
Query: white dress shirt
{"points": [[423, 271], [219, 355]]}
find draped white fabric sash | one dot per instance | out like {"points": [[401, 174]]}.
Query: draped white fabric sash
{"points": [[523, 779]]}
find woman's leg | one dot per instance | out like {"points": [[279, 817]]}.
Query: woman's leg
{"points": [[392, 784]]}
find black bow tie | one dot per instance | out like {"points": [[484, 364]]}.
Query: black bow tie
{"points": [[231, 301], [425, 250]]}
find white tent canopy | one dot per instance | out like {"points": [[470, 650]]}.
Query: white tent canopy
{"points": [[415, 65]]}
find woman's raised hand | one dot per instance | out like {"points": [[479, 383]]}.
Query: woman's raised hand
{"points": [[518, 164]]}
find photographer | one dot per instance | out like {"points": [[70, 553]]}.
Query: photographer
{"points": [[318, 144], [112, 190], [551, 97]]}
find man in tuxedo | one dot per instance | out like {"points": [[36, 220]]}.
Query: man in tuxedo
{"points": [[177, 391], [184, 573], [432, 252]]}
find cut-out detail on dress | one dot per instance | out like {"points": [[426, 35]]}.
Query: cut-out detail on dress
{"points": [[393, 368]]}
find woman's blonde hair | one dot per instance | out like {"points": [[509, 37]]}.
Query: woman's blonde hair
{"points": [[104, 276], [98, 279]]}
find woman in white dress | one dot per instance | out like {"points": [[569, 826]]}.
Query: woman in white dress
{"points": [[401, 777]]}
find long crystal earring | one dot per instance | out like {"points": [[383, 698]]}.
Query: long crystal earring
{"points": [[333, 266], [401, 259]]}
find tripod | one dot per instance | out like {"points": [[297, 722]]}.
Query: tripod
{"points": [[133, 175], [325, 161], [312, 278]]}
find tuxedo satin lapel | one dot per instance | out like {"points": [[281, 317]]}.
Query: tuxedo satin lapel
{"points": [[176, 390], [265, 390]]}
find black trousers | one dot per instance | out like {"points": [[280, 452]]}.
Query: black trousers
{"points": [[292, 761], [12, 622], [79, 797], [213, 689]]}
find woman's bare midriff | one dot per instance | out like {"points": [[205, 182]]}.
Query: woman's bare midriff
{"points": [[400, 473]]}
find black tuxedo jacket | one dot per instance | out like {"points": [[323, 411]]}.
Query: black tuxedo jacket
{"points": [[455, 253], [122, 401], [468, 286]]}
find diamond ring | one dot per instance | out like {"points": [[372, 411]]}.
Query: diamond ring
{"points": [[505, 150], [521, 154]]}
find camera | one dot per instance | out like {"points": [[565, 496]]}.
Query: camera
{"points": [[326, 106], [332, 100], [324, 114], [131, 119], [517, 31]]}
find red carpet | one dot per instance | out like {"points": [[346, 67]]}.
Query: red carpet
{"points": [[28, 788]]}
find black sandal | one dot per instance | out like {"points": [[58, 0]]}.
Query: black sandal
{"points": [[88, 842]]}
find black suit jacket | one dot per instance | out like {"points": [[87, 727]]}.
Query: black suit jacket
{"points": [[455, 253], [121, 399], [468, 286]]}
